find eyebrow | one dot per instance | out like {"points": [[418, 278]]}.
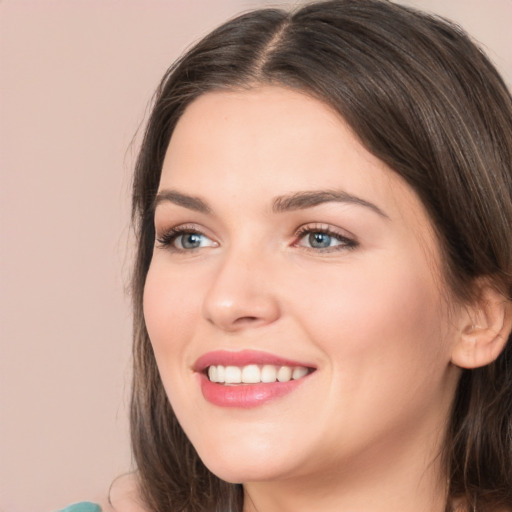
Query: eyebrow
{"points": [[190, 202], [308, 199], [284, 203]]}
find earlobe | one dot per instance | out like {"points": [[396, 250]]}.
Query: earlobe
{"points": [[484, 330]]}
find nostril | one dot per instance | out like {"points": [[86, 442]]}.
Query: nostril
{"points": [[246, 319], [240, 322]]}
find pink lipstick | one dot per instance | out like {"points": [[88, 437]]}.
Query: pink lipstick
{"points": [[248, 378]]}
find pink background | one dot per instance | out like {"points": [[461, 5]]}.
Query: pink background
{"points": [[75, 80]]}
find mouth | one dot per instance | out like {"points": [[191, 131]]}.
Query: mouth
{"points": [[248, 378], [255, 374]]}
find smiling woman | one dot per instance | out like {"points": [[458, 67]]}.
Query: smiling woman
{"points": [[323, 284], [252, 303]]}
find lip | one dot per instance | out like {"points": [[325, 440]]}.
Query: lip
{"points": [[243, 358], [245, 396]]}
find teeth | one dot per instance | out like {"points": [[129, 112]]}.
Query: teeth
{"points": [[254, 374], [284, 374], [233, 375], [268, 373], [251, 374], [212, 373], [299, 372]]}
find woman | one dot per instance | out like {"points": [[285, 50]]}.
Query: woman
{"points": [[323, 280]]}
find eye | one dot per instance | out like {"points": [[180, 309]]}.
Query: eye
{"points": [[191, 241], [323, 238], [185, 239]]}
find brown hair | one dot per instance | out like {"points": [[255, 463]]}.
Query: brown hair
{"points": [[427, 102]]}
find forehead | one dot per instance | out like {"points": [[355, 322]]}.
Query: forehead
{"points": [[269, 131], [274, 140]]}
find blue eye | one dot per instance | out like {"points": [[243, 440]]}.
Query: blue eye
{"points": [[183, 239], [190, 241], [319, 240], [323, 239]]}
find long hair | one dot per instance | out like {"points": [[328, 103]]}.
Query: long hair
{"points": [[427, 102]]}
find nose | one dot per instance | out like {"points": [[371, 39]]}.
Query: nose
{"points": [[242, 294]]}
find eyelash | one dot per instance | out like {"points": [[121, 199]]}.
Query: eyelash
{"points": [[346, 243], [167, 239]]}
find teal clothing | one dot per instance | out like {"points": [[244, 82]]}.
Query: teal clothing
{"points": [[84, 506]]}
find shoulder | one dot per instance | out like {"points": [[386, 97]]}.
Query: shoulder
{"points": [[84, 506], [124, 495]]}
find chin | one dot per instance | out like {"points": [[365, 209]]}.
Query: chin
{"points": [[239, 463], [244, 471]]}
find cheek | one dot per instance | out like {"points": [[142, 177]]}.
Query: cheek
{"points": [[385, 342], [168, 305], [370, 324]]}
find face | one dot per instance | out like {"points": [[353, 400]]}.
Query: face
{"points": [[295, 268]]}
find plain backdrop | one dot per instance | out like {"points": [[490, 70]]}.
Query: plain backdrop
{"points": [[76, 78]]}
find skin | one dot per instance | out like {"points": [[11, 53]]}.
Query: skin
{"points": [[363, 431]]}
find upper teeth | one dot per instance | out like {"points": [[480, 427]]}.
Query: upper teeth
{"points": [[253, 373]]}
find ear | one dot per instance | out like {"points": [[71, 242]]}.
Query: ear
{"points": [[484, 329]]}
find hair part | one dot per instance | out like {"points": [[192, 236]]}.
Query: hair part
{"points": [[425, 100]]}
